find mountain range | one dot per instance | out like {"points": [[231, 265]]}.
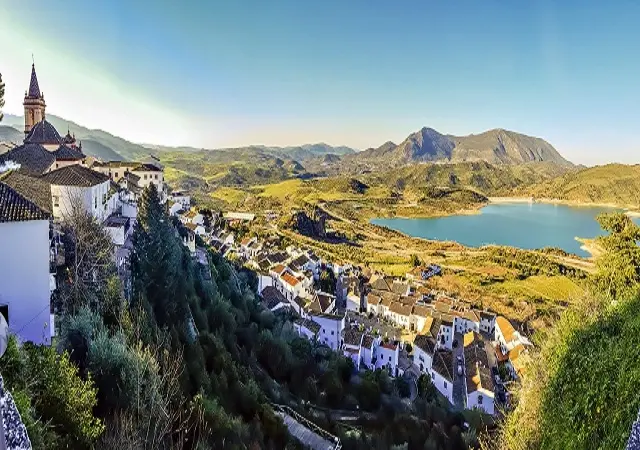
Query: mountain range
{"points": [[496, 146]]}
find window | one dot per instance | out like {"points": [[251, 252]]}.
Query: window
{"points": [[116, 175], [56, 201], [445, 384], [389, 358], [479, 399], [145, 176], [433, 375], [95, 202], [332, 333], [156, 176]]}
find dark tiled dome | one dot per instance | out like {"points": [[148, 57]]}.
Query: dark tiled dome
{"points": [[43, 133]]}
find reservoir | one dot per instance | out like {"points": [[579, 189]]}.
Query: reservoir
{"points": [[523, 225]]}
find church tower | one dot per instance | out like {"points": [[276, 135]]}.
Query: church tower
{"points": [[34, 104]]}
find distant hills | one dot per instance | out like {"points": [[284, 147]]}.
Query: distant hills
{"points": [[496, 146]]}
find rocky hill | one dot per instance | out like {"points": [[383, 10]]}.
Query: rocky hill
{"points": [[494, 146]]}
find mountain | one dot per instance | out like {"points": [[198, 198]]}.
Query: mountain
{"points": [[10, 134], [98, 143], [494, 146], [617, 184]]}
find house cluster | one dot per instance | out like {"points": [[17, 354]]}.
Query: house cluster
{"points": [[42, 181]]}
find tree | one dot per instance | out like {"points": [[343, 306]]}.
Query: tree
{"points": [[619, 266], [414, 260], [426, 389], [1, 97]]}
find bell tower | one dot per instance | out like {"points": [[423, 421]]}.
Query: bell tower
{"points": [[34, 104]]}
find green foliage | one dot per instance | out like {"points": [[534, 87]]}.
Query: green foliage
{"points": [[58, 396], [619, 266], [414, 260], [327, 281]]}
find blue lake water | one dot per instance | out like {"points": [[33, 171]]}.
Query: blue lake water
{"points": [[522, 225]]}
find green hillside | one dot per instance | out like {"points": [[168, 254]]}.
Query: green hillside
{"points": [[613, 183]]}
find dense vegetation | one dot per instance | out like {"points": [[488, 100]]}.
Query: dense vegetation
{"points": [[581, 391]]}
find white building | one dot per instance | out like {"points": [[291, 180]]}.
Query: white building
{"points": [[331, 327], [352, 345], [386, 357], [442, 373], [307, 328], [89, 188], [119, 228], [479, 386], [424, 347], [25, 280], [181, 198], [367, 352], [487, 322], [174, 208]]}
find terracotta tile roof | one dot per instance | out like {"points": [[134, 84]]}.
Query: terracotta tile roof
{"points": [[442, 306], [435, 327], [34, 159], [421, 311], [43, 133], [381, 284], [301, 302], [33, 189], [477, 372], [506, 328], [245, 241], [352, 336], [308, 324], [500, 357], [425, 343], [399, 308], [75, 175], [373, 299], [471, 316], [386, 302], [324, 300], [399, 288], [14, 207], [272, 297], [367, 341], [65, 153], [389, 345], [442, 364], [353, 351], [279, 269], [289, 279]]}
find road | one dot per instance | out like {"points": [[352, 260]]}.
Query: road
{"points": [[458, 380]]}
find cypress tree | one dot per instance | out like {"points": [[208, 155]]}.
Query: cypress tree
{"points": [[1, 97]]}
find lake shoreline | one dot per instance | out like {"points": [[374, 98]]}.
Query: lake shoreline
{"points": [[631, 211]]}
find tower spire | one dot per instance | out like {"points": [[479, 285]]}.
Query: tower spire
{"points": [[34, 89]]}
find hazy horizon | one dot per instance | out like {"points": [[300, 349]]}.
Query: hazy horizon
{"points": [[223, 74]]}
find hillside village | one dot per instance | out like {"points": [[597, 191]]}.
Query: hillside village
{"points": [[380, 322]]}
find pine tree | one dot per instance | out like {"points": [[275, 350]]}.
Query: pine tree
{"points": [[1, 97]]}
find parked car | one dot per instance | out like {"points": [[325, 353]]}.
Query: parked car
{"points": [[459, 358], [460, 369], [455, 343]]}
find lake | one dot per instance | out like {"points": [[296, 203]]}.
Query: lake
{"points": [[523, 225]]}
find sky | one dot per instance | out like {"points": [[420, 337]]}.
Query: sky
{"points": [[358, 72]]}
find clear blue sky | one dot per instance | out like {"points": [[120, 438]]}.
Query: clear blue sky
{"points": [[347, 72]]}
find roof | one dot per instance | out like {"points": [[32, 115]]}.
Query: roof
{"points": [[471, 316], [389, 345], [373, 299], [279, 269], [506, 328], [33, 189], [277, 257], [434, 329], [147, 167], [34, 88], [425, 343], [470, 337], [325, 300], [309, 325], [272, 297], [14, 207], [442, 306], [289, 279], [399, 308], [380, 284], [43, 133], [477, 372], [301, 302], [327, 316], [116, 221], [352, 336], [367, 340], [75, 175], [300, 261], [487, 315], [421, 310], [191, 226], [65, 153], [353, 351], [246, 241], [442, 364], [34, 159], [399, 287]]}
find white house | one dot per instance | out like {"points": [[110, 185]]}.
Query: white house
{"points": [[192, 217], [119, 228], [353, 301], [273, 299], [400, 314], [487, 322], [442, 373], [25, 265], [367, 352], [331, 327], [419, 316], [424, 347], [373, 304], [386, 357], [197, 229], [76, 183], [465, 321], [181, 198], [352, 345], [323, 302], [307, 328], [289, 285], [479, 386]]}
